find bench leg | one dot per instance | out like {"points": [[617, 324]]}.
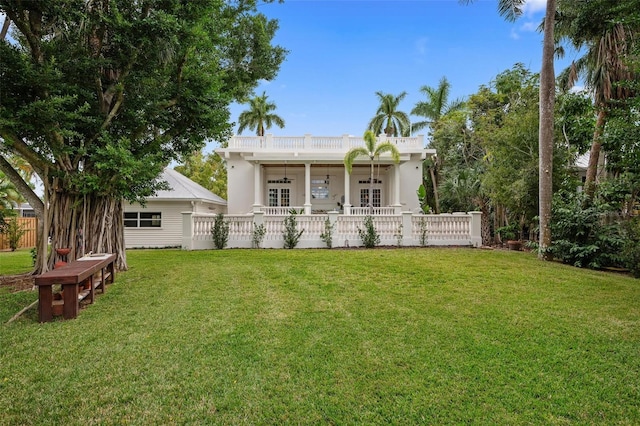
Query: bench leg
{"points": [[91, 289], [70, 298], [112, 269], [45, 301]]}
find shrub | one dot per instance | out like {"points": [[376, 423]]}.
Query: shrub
{"points": [[291, 233], [580, 234], [220, 231], [4, 215], [327, 234], [369, 235], [508, 232], [631, 249], [423, 231], [14, 232], [259, 232], [399, 236]]}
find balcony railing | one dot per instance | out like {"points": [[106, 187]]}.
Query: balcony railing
{"points": [[343, 143]]}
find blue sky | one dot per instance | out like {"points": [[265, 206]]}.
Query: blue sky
{"points": [[342, 51]]}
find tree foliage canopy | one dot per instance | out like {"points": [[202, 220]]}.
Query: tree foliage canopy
{"points": [[105, 93], [98, 96]]}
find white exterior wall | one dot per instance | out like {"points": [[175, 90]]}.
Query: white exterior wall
{"points": [[170, 232], [240, 188], [410, 180]]}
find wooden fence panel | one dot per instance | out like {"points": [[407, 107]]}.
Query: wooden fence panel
{"points": [[29, 239]]}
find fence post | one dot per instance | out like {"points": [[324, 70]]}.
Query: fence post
{"points": [[258, 220], [476, 229], [407, 228], [333, 217], [187, 230]]}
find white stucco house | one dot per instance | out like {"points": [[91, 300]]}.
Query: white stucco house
{"points": [[276, 173], [159, 222], [268, 176]]}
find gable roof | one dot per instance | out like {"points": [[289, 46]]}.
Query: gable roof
{"points": [[183, 188]]}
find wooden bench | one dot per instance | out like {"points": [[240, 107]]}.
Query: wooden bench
{"points": [[79, 280]]}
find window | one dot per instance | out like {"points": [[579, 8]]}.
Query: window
{"points": [[320, 189], [364, 192], [142, 219], [284, 197], [279, 197], [364, 197]]}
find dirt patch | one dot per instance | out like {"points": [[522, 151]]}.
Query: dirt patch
{"points": [[17, 282]]}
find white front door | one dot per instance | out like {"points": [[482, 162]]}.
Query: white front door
{"points": [[279, 194], [363, 192]]}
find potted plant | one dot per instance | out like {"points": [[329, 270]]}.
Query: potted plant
{"points": [[508, 234]]}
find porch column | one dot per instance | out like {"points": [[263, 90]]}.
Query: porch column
{"points": [[257, 188], [307, 188], [397, 207], [347, 192]]}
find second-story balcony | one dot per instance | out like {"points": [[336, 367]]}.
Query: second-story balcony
{"points": [[309, 143]]}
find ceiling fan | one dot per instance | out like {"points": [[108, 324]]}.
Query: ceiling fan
{"points": [[285, 179]]}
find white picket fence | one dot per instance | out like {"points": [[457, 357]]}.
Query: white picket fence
{"points": [[406, 229]]}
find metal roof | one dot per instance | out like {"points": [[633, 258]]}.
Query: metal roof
{"points": [[183, 188]]}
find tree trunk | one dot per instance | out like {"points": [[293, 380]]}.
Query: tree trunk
{"points": [[485, 223], [371, 190], [436, 199], [545, 136], [86, 224], [594, 155]]}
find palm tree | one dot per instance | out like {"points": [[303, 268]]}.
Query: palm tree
{"points": [[373, 151], [436, 106], [388, 118], [9, 195], [433, 109], [259, 116], [607, 43], [545, 133], [511, 10]]}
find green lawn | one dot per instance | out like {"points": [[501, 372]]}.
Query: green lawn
{"points": [[408, 336], [15, 262]]}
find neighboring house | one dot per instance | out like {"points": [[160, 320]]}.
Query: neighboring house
{"points": [[25, 210], [274, 174], [581, 169], [159, 222]]}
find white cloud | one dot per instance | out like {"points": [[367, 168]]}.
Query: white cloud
{"points": [[533, 22], [529, 27], [534, 6]]}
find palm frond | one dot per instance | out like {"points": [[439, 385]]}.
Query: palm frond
{"points": [[351, 156], [390, 148], [370, 142]]}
